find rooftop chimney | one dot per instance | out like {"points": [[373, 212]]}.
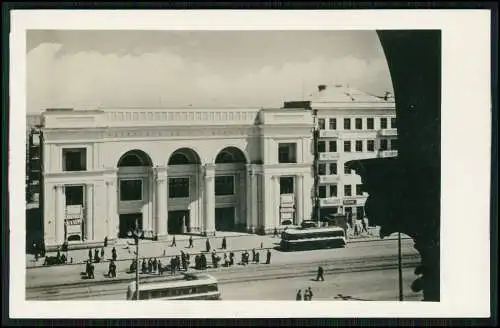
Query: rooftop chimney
{"points": [[321, 87]]}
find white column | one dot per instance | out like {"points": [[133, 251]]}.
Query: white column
{"points": [[248, 198], [254, 202], [268, 202], [89, 217], [242, 196], [112, 221], [299, 200], [277, 200], [209, 224], [199, 225], [60, 214], [161, 212]]}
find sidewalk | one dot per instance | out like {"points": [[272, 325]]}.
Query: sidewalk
{"points": [[125, 248]]}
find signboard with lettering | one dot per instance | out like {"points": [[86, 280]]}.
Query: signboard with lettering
{"points": [[350, 202]]}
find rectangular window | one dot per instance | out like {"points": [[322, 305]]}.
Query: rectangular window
{"points": [[359, 124], [347, 146], [393, 123], [322, 169], [347, 123], [73, 195], [322, 192], [347, 170], [333, 146], [224, 185], [321, 146], [287, 153], [383, 144], [286, 185], [333, 190], [383, 123], [370, 123], [347, 190], [130, 190], [178, 187], [333, 168], [359, 189], [394, 144], [360, 212], [333, 124], [359, 145], [370, 145], [321, 123], [74, 159]]}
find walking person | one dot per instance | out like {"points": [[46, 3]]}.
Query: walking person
{"points": [[90, 254], [113, 254], [102, 253], [275, 234], [174, 244], [320, 274], [309, 294], [207, 245], [224, 242], [298, 296], [268, 257], [160, 268], [190, 242]]}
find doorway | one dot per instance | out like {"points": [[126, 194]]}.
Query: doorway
{"points": [[127, 224], [178, 222], [224, 219]]}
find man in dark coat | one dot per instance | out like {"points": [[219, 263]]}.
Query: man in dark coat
{"points": [[268, 257], [320, 274], [207, 244]]}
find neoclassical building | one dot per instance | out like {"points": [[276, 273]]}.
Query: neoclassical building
{"points": [[174, 171]]}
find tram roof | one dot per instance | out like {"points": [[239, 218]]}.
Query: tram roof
{"points": [[312, 230]]}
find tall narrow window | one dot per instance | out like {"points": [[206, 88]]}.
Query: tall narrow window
{"points": [[286, 185], [347, 146], [333, 168], [359, 124], [347, 123], [383, 144], [359, 145], [393, 123], [333, 146], [321, 123], [383, 123], [178, 187], [224, 185], [370, 145], [321, 146], [131, 190], [322, 192], [333, 124], [333, 190], [322, 169], [394, 144], [369, 123], [347, 190], [347, 170], [359, 189]]}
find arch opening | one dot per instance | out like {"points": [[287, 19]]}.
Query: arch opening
{"points": [[184, 156], [134, 158], [230, 155]]}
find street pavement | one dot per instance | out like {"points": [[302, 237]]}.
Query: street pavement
{"points": [[57, 277]]}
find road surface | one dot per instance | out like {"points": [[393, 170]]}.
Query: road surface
{"points": [[377, 263]]}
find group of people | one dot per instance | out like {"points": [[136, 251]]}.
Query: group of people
{"points": [[308, 295], [96, 258]]}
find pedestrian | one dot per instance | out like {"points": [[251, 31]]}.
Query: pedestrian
{"points": [[113, 254], [253, 255], [160, 269], [320, 274], [365, 224], [306, 295], [92, 269], [58, 255], [268, 257], [102, 252], [257, 257], [224, 243], [261, 244], [310, 293], [144, 266], [155, 265], [275, 234], [106, 241], [207, 245], [174, 244], [190, 242], [298, 297], [90, 253], [172, 265], [150, 265], [164, 252]]}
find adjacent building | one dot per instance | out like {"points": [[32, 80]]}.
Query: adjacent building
{"points": [[350, 125], [173, 171]]}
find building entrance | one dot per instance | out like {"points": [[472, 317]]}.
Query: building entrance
{"points": [[178, 222], [127, 224], [224, 219]]}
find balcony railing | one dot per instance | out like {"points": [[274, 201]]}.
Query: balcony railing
{"points": [[328, 134], [387, 153], [331, 201], [328, 178], [328, 156], [388, 132]]}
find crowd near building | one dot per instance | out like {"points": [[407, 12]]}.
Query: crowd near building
{"points": [[199, 171]]}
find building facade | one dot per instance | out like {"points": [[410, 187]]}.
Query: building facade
{"points": [[173, 171], [350, 125]]}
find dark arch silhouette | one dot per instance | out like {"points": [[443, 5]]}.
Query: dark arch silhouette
{"points": [[184, 156], [135, 158], [230, 155]]}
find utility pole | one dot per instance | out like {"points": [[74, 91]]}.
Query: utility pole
{"points": [[136, 233], [400, 269]]}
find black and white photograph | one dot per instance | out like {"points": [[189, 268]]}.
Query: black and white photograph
{"points": [[197, 163]]}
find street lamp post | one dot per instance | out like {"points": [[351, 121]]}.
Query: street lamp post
{"points": [[136, 233], [400, 269]]}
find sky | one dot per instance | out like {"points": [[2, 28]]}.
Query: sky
{"points": [[103, 69]]}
